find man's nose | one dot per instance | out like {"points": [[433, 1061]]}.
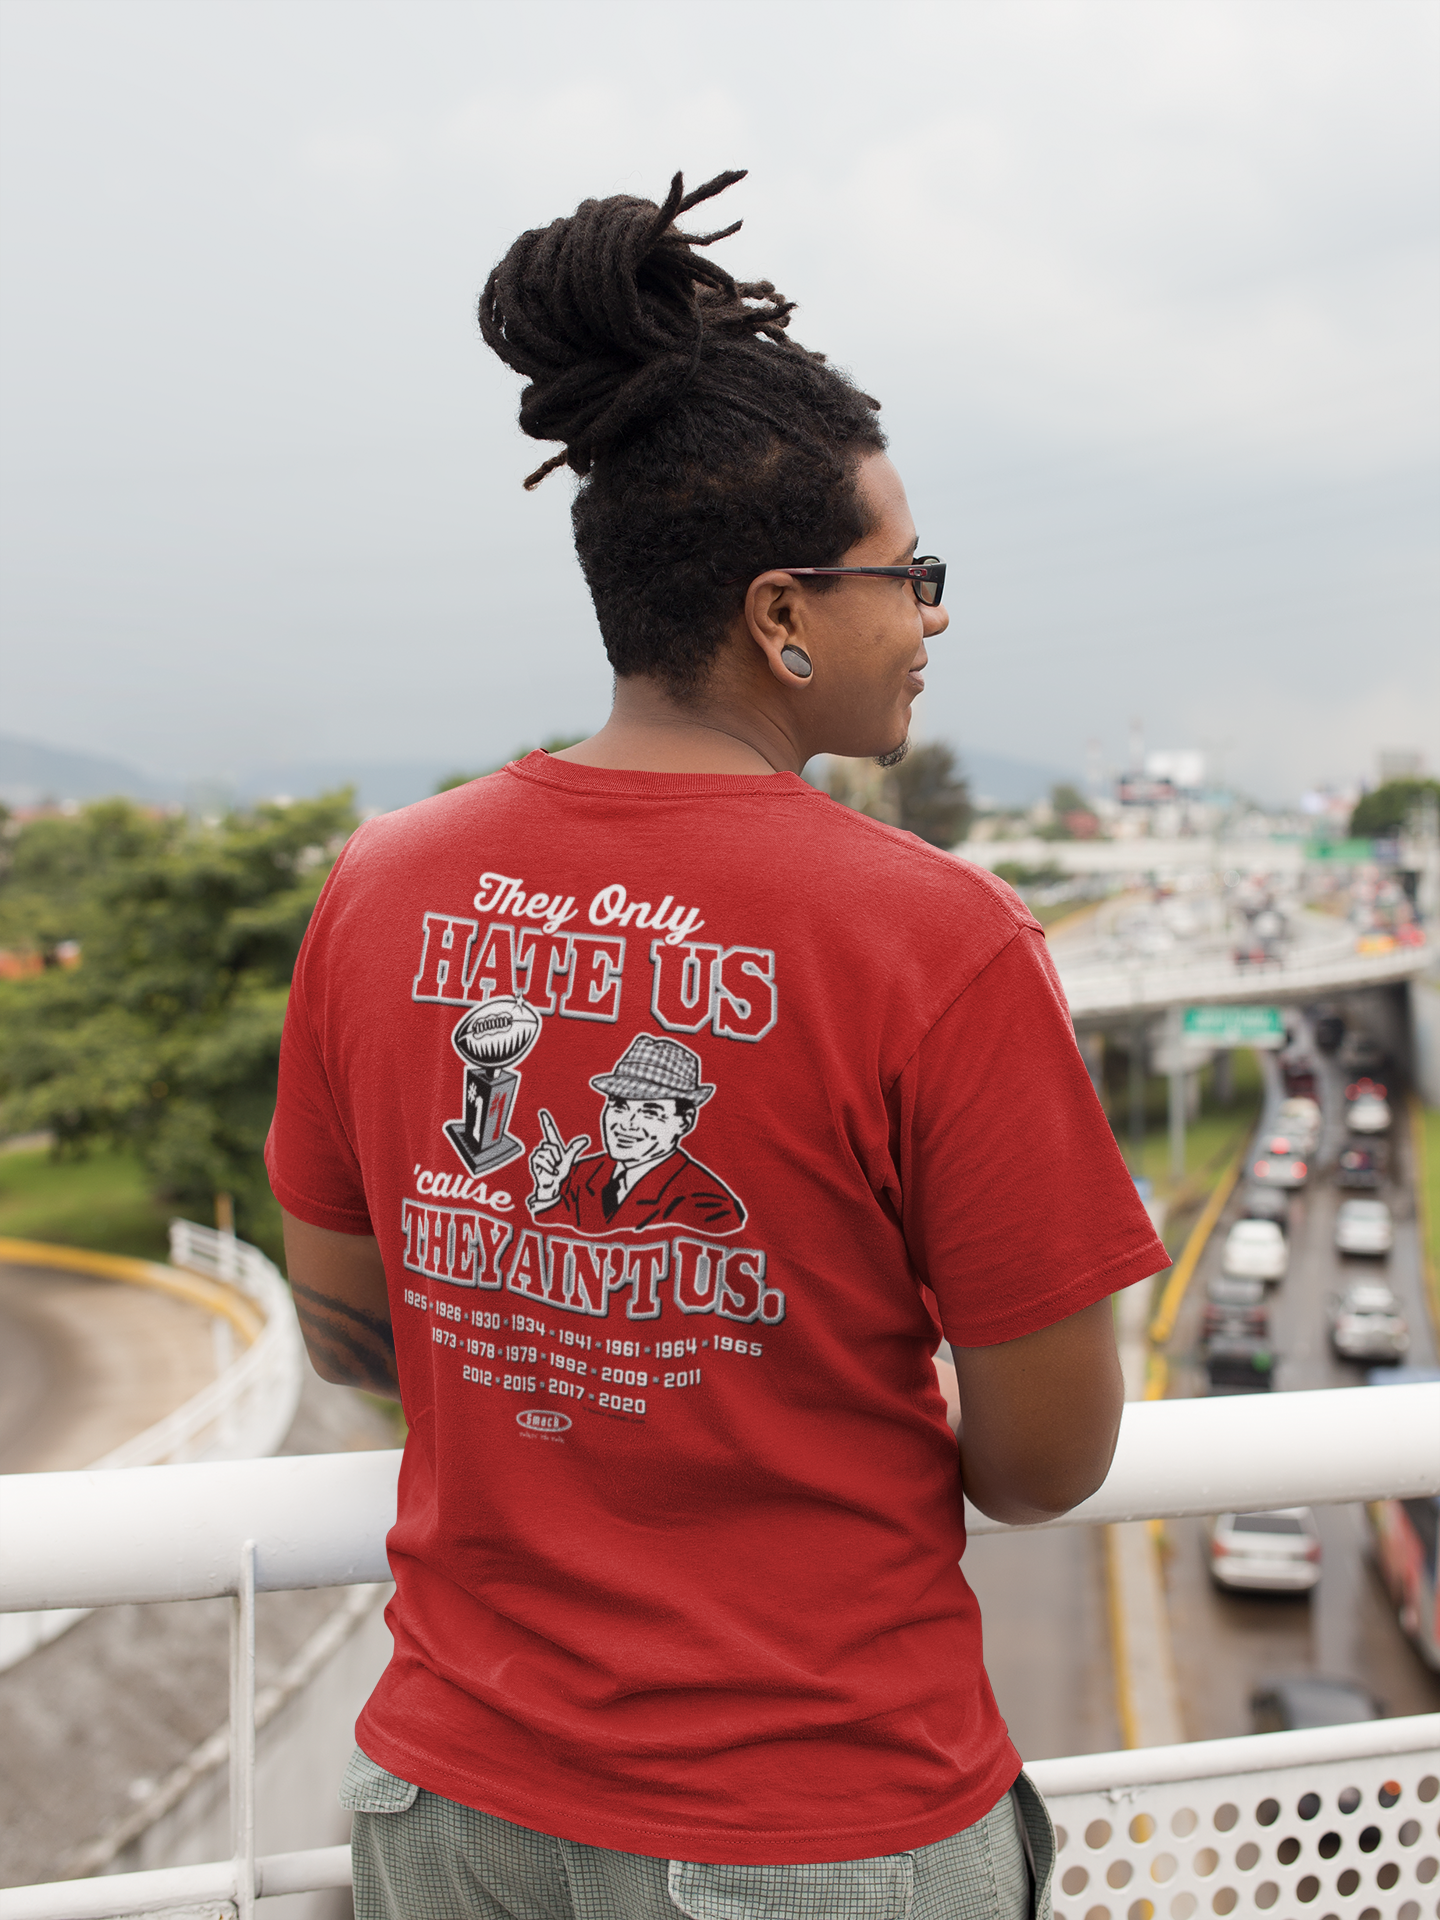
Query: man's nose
{"points": [[937, 619]]}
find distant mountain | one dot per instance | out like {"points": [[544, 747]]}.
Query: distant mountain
{"points": [[31, 774], [1011, 783], [380, 787]]}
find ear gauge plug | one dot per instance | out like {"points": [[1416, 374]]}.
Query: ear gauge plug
{"points": [[798, 661]]}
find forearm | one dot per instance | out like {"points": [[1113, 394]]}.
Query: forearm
{"points": [[338, 1283], [1040, 1418], [347, 1346]]}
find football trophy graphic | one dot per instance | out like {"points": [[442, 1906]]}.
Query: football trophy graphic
{"points": [[490, 1039]]}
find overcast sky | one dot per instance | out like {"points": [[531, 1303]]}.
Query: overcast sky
{"points": [[1150, 294]]}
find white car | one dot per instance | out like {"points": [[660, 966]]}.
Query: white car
{"points": [[1255, 1250], [1300, 1118], [1363, 1226], [1366, 1323], [1276, 1552], [1368, 1114]]}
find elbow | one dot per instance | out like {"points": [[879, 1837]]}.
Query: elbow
{"points": [[1027, 1493]]}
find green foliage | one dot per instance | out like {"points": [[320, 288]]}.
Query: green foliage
{"points": [[1384, 813], [1067, 799], [164, 1041], [555, 744], [102, 1201], [933, 795], [1016, 874]]}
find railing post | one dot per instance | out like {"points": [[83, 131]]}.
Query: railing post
{"points": [[242, 1733]]}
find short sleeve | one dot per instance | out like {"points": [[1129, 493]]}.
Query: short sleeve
{"points": [[313, 1167], [1017, 1207]]}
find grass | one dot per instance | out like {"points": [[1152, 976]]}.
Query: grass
{"points": [[102, 1202], [1211, 1141]]}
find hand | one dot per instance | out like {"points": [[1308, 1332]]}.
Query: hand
{"points": [[551, 1162]]}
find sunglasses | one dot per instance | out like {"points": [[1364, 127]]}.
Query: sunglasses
{"points": [[926, 575]]}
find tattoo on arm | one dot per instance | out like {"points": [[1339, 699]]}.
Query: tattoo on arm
{"points": [[356, 1347]]}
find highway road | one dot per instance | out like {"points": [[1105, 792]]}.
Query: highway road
{"points": [[1225, 1643], [1043, 1597]]}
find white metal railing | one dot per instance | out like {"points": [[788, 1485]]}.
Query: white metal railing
{"points": [[193, 1532], [243, 1414]]}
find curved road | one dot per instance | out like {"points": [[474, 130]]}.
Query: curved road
{"points": [[86, 1364]]}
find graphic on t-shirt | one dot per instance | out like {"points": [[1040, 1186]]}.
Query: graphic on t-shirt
{"points": [[643, 1178], [491, 1039]]}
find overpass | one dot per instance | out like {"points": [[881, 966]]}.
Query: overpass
{"points": [[1100, 995]]}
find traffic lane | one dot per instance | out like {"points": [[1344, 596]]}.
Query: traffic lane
{"points": [[1227, 1644], [91, 1363], [1047, 1637]]}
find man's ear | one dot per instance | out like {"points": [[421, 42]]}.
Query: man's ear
{"points": [[776, 618], [689, 1126]]}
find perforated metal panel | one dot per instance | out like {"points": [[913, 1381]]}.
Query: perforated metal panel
{"points": [[1354, 1839]]}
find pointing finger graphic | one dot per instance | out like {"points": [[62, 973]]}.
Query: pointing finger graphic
{"points": [[552, 1132]]}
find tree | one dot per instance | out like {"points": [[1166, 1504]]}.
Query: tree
{"points": [[165, 1039], [925, 792], [1383, 814], [934, 795]]}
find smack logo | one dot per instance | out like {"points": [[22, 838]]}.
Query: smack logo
{"points": [[538, 1420]]}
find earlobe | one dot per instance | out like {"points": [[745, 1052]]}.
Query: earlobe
{"points": [[798, 661]]}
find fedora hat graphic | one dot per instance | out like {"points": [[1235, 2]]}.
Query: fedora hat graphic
{"points": [[652, 1068]]}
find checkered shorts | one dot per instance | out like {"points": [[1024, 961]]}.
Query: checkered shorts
{"points": [[420, 1857]]}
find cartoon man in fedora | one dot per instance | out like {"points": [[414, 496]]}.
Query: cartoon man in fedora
{"points": [[644, 1178]]}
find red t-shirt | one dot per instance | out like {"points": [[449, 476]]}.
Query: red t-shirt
{"points": [[680, 1522]]}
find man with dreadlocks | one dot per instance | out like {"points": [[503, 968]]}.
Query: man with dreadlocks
{"points": [[680, 1623]]}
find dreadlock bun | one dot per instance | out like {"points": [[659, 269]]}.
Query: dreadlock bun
{"points": [[609, 314], [706, 439]]}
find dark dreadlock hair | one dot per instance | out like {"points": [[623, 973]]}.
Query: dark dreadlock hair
{"points": [[710, 445]]}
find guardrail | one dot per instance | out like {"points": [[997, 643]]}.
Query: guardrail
{"points": [[1137, 989], [194, 1532], [243, 1414]]}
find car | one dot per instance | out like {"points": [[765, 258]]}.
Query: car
{"points": [[1367, 1114], [1329, 1031], [1360, 1054], [1238, 1363], [1274, 1552], [1310, 1700], [1255, 1249], [1358, 1169], [1366, 1323], [1363, 1226], [1278, 1164], [1266, 1203], [1300, 1119], [1233, 1290], [1224, 1322], [1299, 1079], [1254, 953]]}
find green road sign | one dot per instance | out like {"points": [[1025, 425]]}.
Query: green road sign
{"points": [[1344, 853], [1234, 1026]]}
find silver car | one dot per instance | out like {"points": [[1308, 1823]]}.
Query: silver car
{"points": [[1363, 1226], [1255, 1250], [1276, 1552], [1366, 1323]]}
